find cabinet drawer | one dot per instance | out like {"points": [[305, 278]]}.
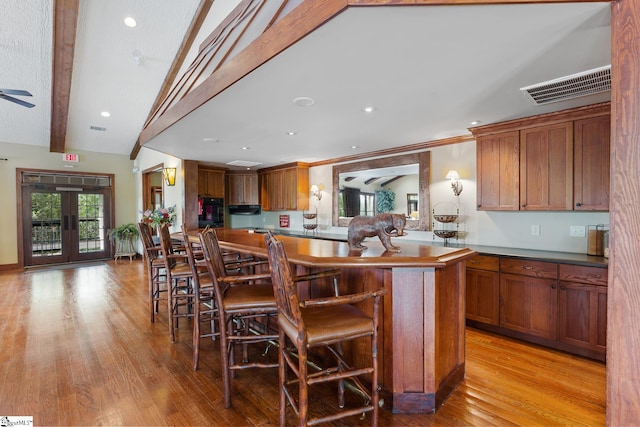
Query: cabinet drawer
{"points": [[525, 267], [484, 262], [583, 274]]}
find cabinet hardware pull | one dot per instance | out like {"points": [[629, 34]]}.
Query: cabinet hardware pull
{"points": [[527, 267], [564, 288], [553, 286], [474, 261], [593, 276], [578, 204]]}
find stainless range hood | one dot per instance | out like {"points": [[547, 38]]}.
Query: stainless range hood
{"points": [[245, 210]]}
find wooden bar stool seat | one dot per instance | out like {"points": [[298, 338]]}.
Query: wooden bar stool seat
{"points": [[180, 295], [321, 325], [156, 274], [247, 311]]}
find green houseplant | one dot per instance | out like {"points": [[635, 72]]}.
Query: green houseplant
{"points": [[124, 237]]}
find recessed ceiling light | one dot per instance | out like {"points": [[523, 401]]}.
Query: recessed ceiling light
{"points": [[304, 101], [368, 109], [290, 133], [130, 22], [475, 122], [245, 148], [212, 140], [353, 147], [105, 114]]}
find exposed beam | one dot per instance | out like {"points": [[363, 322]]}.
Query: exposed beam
{"points": [[65, 22], [389, 181], [370, 180], [288, 30], [183, 51]]}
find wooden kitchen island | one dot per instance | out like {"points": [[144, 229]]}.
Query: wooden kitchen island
{"points": [[423, 315]]}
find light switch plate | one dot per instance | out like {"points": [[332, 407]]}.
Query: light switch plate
{"points": [[577, 231], [535, 230]]}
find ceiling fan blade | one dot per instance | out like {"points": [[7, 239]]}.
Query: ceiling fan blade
{"points": [[15, 92], [17, 101]]}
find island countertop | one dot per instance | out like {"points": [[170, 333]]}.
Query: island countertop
{"points": [[532, 254], [330, 253]]}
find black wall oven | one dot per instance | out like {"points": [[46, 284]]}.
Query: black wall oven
{"points": [[210, 212]]}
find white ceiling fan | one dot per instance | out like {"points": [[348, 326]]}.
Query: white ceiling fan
{"points": [[5, 94]]}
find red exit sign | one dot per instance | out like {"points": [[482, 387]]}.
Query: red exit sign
{"points": [[70, 157]]}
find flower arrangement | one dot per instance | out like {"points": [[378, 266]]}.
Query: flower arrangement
{"points": [[159, 216]]}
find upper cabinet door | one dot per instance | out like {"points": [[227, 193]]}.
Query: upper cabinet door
{"points": [[498, 157], [546, 167], [211, 183], [242, 189], [592, 157]]}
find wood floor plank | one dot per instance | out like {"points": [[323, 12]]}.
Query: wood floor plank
{"points": [[78, 349]]}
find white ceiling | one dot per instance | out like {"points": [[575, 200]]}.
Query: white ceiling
{"points": [[429, 71]]}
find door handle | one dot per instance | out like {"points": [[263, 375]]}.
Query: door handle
{"points": [[66, 222], [73, 222]]}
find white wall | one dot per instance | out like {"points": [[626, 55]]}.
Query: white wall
{"points": [[39, 157], [172, 196], [508, 229]]}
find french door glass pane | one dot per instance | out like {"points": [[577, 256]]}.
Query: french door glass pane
{"points": [[91, 223], [46, 224]]}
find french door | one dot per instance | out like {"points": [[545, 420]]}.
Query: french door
{"points": [[63, 224]]}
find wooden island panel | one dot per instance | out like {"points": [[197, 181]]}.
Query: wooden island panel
{"points": [[422, 324]]}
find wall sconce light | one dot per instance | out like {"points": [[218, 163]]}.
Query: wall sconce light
{"points": [[316, 191], [169, 176], [456, 185]]}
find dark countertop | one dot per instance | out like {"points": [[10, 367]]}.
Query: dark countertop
{"points": [[533, 254]]}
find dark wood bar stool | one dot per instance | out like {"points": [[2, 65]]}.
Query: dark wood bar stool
{"points": [[247, 311], [180, 296], [315, 324], [205, 310], [156, 274]]}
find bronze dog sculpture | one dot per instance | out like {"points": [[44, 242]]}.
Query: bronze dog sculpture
{"points": [[384, 226]]}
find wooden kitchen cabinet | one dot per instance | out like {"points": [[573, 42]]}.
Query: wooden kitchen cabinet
{"points": [[529, 297], [242, 188], [498, 173], [211, 182], [285, 188], [551, 162], [592, 163], [582, 307], [546, 167], [483, 289]]}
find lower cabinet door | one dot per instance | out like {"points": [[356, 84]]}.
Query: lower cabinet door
{"points": [[529, 305], [483, 296], [582, 315]]}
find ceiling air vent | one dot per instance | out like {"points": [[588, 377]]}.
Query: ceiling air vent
{"points": [[569, 87], [244, 163]]}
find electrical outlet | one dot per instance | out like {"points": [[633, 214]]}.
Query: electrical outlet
{"points": [[577, 231], [535, 230]]}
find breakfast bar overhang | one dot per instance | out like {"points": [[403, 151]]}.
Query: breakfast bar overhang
{"points": [[423, 316]]}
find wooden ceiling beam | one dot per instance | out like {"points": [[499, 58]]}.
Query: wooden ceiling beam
{"points": [[183, 51], [65, 22]]}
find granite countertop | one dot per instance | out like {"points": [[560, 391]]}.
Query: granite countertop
{"points": [[533, 254]]}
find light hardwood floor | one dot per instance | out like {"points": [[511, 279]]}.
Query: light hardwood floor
{"points": [[77, 348]]}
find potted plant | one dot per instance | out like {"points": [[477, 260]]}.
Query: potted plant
{"points": [[124, 238]]}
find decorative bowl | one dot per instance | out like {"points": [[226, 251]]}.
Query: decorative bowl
{"points": [[310, 215], [445, 218], [310, 226], [445, 234]]}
